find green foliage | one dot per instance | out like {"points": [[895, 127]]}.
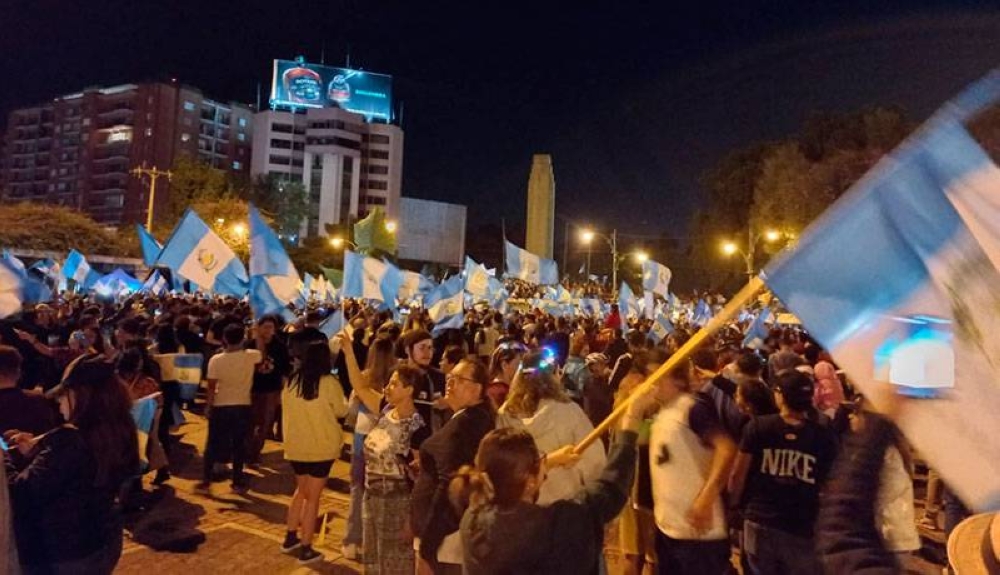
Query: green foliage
{"points": [[284, 199], [313, 254], [36, 226], [373, 236], [194, 181]]}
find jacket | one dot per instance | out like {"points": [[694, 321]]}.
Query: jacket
{"points": [[564, 537], [441, 455]]}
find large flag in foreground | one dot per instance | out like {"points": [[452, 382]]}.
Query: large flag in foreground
{"points": [[77, 269], [915, 248], [524, 265], [11, 282], [150, 247], [198, 255], [269, 262]]}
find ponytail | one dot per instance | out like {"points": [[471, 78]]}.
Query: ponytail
{"points": [[469, 488]]}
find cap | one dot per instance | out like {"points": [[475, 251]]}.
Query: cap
{"points": [[796, 386]]}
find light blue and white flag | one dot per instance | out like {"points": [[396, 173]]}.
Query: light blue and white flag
{"points": [[144, 415], [309, 286], [77, 269], [661, 328], [477, 279], [648, 305], [526, 266], [15, 263], [185, 369], [155, 284], [445, 289], [263, 300], [48, 268], [11, 286], [150, 247], [270, 261], [591, 307], [333, 324], [915, 250], [758, 330], [412, 285], [447, 313], [656, 278], [200, 256], [702, 313], [628, 307], [369, 278]]}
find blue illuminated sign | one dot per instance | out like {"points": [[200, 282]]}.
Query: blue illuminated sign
{"points": [[298, 84]]}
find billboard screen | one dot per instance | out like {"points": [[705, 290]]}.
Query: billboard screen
{"points": [[303, 85]]}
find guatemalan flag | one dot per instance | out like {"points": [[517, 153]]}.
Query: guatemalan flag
{"points": [[662, 327], [447, 313], [333, 324], [627, 304], [150, 247], [915, 250], [656, 278], [369, 278], [77, 269], [758, 331], [197, 254], [524, 265], [270, 261], [445, 289], [411, 285], [11, 285], [477, 279], [144, 415]]}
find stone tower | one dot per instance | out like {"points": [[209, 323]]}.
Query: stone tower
{"points": [[541, 206]]}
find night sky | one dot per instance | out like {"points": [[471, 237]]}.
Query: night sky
{"points": [[633, 99]]}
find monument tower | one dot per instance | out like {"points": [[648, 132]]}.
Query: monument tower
{"points": [[541, 206]]}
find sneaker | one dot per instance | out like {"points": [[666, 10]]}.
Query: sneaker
{"points": [[309, 555], [350, 551], [162, 476], [291, 543]]}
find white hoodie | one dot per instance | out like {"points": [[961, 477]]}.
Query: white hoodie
{"points": [[554, 425]]}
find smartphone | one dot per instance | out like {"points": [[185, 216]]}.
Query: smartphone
{"points": [[3, 444]]}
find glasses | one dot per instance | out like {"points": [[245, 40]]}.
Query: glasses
{"points": [[461, 377]]}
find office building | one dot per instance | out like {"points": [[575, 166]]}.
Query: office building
{"points": [[78, 149]]}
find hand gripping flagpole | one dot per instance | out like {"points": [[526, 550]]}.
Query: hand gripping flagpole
{"points": [[731, 310]]}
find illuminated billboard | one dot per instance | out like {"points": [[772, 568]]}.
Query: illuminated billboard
{"points": [[299, 84]]}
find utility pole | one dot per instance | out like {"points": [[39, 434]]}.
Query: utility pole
{"points": [[154, 173]]}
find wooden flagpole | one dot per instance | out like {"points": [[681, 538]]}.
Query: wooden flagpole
{"points": [[732, 308]]}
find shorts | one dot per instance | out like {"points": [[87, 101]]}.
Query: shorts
{"points": [[312, 468]]}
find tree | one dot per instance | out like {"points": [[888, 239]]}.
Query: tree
{"points": [[194, 181], [284, 199], [48, 227]]}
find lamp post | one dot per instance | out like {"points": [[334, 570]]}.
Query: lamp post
{"points": [[154, 173], [587, 236], [730, 248], [338, 242]]}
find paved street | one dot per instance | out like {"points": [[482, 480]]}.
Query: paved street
{"points": [[241, 533]]}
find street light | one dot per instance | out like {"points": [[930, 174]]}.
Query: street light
{"points": [[641, 257], [390, 226], [240, 230], [730, 248], [587, 236], [338, 242]]}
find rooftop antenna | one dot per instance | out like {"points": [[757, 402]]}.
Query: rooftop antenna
{"points": [[322, 53], [402, 106], [258, 96], [348, 56]]}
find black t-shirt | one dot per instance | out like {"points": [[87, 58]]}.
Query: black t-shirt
{"points": [[430, 388], [789, 465], [274, 365]]}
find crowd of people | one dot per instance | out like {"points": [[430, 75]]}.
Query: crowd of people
{"points": [[467, 451]]}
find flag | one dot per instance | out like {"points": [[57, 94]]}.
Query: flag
{"points": [[915, 248], [412, 285], [335, 277], [526, 266], [270, 263], [15, 263], [116, 283], [77, 269], [445, 289], [150, 247], [591, 306], [369, 278], [702, 313], [200, 256], [155, 284], [656, 278], [185, 369], [627, 305], [758, 331], [648, 305], [477, 279], [333, 324], [48, 268], [263, 300], [144, 415], [447, 313], [661, 328], [11, 286]]}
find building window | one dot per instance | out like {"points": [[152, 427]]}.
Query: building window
{"points": [[283, 128], [377, 185], [280, 160], [378, 170], [378, 154], [188, 106], [237, 165], [241, 137], [378, 139], [149, 132], [242, 122], [281, 144], [185, 137]]}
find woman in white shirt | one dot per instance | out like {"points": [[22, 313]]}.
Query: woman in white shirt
{"points": [[312, 401], [538, 404]]}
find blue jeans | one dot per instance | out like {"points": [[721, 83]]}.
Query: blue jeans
{"points": [[685, 557], [775, 552], [355, 526]]}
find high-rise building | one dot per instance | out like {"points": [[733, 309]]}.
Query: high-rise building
{"points": [[330, 130], [541, 206], [78, 149]]}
